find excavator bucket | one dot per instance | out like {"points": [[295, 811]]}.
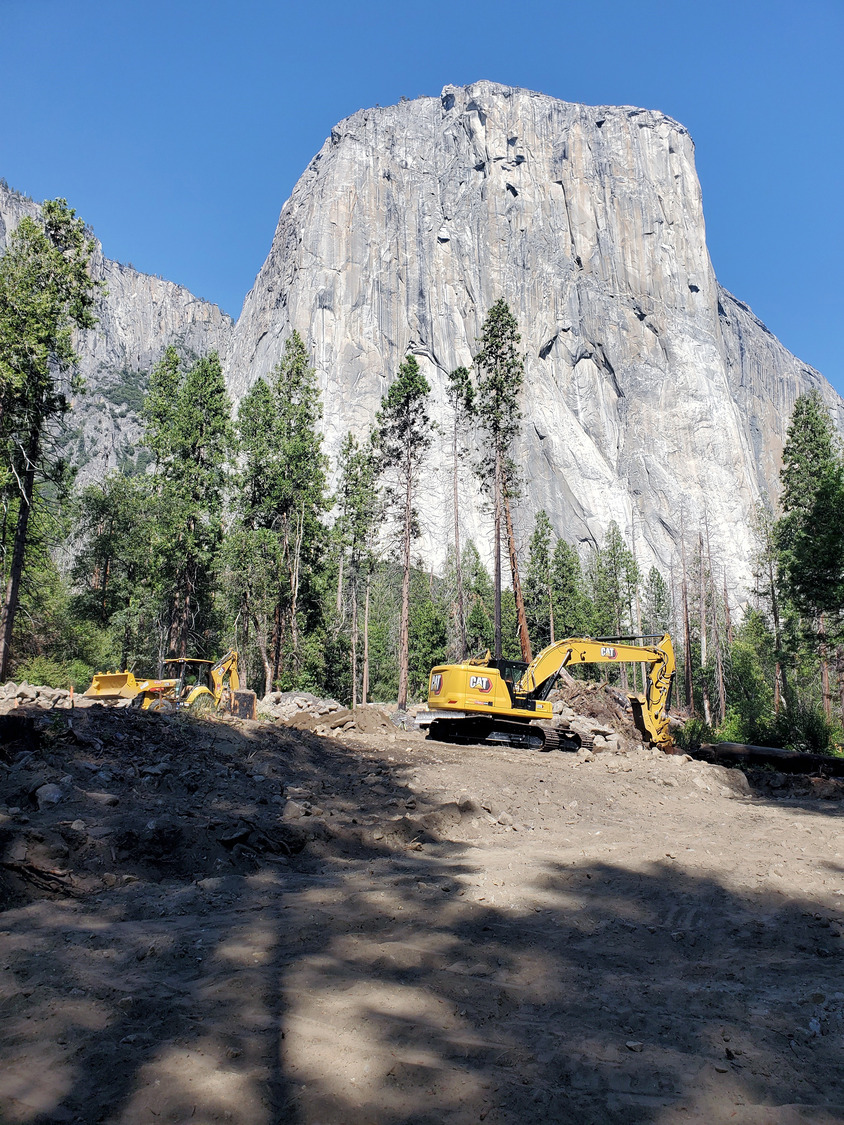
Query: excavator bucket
{"points": [[113, 685]]}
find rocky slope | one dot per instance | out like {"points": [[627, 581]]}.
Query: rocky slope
{"points": [[653, 397], [138, 318]]}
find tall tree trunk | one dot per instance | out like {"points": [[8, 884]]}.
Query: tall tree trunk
{"points": [[3, 552], [780, 685], [173, 630], [10, 605], [642, 667], [839, 663], [353, 654], [245, 662], [551, 612], [521, 616], [824, 654], [275, 640], [184, 624], [340, 582], [707, 707], [716, 636], [622, 668], [727, 618], [497, 559], [261, 644], [127, 635], [458, 563], [404, 627], [702, 596], [364, 693], [704, 686], [687, 637], [294, 585]]}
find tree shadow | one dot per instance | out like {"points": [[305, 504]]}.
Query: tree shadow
{"points": [[379, 978]]}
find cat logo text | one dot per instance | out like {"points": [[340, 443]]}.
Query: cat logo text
{"points": [[480, 683]]}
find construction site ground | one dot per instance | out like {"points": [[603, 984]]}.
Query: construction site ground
{"points": [[208, 921]]}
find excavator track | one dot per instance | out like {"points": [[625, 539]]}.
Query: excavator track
{"points": [[481, 731], [563, 738]]}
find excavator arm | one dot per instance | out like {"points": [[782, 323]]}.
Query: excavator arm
{"points": [[225, 666], [650, 711]]}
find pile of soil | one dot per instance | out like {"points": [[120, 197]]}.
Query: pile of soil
{"points": [[366, 718]]}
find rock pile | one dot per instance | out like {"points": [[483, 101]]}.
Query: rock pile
{"points": [[17, 695], [286, 706], [596, 710], [303, 711]]}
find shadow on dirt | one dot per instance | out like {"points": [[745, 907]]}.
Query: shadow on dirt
{"points": [[363, 981]]}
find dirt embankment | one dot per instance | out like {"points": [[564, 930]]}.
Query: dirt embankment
{"points": [[248, 922]]}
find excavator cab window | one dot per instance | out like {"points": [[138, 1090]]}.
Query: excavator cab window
{"points": [[511, 672]]}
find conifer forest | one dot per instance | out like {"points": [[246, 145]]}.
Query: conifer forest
{"points": [[234, 530]]}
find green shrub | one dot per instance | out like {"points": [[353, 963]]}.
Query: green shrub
{"points": [[694, 732], [804, 727], [42, 670]]}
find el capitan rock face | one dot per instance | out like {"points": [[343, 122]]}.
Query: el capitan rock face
{"points": [[652, 396]]}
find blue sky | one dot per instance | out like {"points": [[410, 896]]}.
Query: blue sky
{"points": [[178, 129]]}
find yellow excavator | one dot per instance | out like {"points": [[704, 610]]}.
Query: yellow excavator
{"points": [[182, 682], [487, 700]]}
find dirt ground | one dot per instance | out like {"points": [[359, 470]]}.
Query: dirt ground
{"points": [[242, 922]]}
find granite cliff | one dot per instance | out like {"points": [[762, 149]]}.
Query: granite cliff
{"points": [[652, 396]]}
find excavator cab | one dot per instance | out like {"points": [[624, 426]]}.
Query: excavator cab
{"points": [[511, 671], [187, 673]]}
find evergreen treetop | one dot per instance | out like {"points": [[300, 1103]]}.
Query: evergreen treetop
{"points": [[500, 376]]}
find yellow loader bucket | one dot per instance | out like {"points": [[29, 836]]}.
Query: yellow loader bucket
{"points": [[113, 685]]}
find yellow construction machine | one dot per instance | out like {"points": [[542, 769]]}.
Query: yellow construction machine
{"points": [[487, 700], [182, 682]]}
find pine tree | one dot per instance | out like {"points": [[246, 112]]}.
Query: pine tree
{"points": [[574, 610], [46, 292], [358, 510], [500, 376], [281, 498], [656, 604], [299, 489], [188, 418], [461, 398], [113, 568], [614, 578], [480, 596], [428, 630], [810, 534], [539, 600], [404, 435]]}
